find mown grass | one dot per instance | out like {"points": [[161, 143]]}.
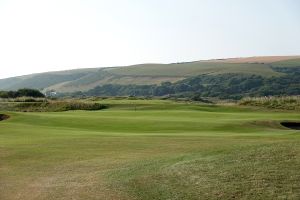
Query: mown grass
{"points": [[164, 150], [249, 172]]}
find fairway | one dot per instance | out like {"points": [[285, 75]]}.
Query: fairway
{"points": [[147, 149]]}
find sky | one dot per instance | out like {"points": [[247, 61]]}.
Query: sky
{"points": [[50, 35]]}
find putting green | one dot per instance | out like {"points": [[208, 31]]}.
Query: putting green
{"points": [[150, 150]]}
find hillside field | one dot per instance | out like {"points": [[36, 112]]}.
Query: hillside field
{"points": [[150, 149], [148, 74]]}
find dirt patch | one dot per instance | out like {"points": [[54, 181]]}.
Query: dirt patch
{"points": [[291, 125], [3, 117]]}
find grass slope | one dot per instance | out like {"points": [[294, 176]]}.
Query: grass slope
{"points": [[85, 79], [150, 150]]}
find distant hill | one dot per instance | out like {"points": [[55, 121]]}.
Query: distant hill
{"points": [[149, 74], [261, 59]]}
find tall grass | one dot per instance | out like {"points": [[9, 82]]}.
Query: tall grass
{"points": [[273, 102], [50, 106]]}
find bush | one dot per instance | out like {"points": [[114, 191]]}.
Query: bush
{"points": [[21, 93]]}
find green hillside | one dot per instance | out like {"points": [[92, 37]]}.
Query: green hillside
{"points": [[192, 69], [144, 74], [43, 80]]}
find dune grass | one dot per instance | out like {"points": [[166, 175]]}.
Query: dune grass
{"points": [[273, 102], [150, 150], [45, 105]]}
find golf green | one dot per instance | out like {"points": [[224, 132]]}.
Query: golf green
{"points": [[150, 150]]}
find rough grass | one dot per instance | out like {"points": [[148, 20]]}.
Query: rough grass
{"points": [[50, 106], [23, 99], [161, 151], [272, 102]]}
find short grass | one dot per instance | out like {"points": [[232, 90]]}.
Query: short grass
{"points": [[150, 150]]}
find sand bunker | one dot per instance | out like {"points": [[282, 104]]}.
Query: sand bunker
{"points": [[291, 125], [3, 117]]}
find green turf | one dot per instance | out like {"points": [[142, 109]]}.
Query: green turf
{"points": [[150, 150]]}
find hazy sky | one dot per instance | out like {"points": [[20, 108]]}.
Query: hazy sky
{"points": [[41, 35]]}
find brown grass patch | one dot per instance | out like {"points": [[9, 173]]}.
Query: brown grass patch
{"points": [[260, 59]]}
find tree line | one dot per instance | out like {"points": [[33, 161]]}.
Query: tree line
{"points": [[21, 93]]}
